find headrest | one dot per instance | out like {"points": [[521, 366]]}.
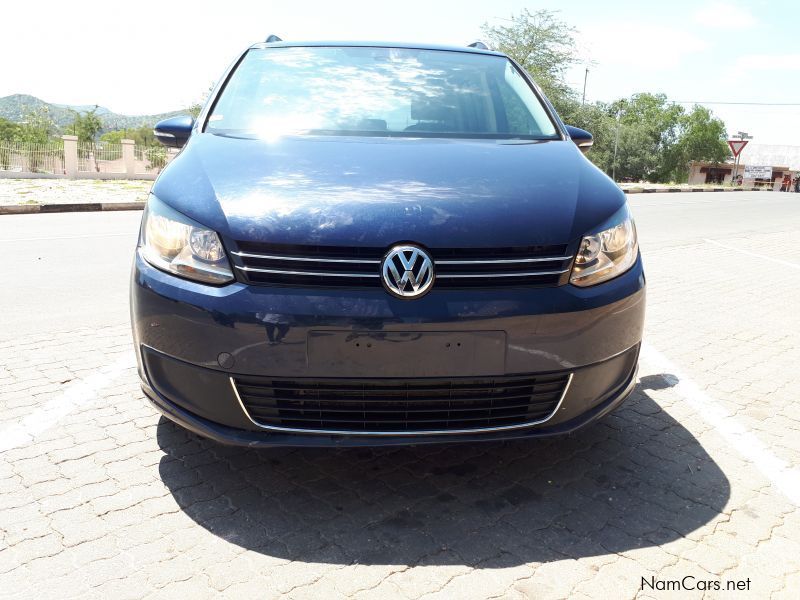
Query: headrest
{"points": [[427, 108]]}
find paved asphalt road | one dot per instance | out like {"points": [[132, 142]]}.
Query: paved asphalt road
{"points": [[65, 270], [71, 269], [697, 475]]}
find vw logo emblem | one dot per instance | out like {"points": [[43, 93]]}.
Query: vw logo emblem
{"points": [[407, 272]]}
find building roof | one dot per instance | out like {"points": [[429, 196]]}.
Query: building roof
{"points": [[729, 165], [771, 155]]}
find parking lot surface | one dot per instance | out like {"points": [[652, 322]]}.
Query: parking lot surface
{"points": [[694, 483]]}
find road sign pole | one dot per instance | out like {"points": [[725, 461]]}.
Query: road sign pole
{"points": [[736, 147]]}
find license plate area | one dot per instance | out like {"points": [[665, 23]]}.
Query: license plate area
{"points": [[406, 354]]}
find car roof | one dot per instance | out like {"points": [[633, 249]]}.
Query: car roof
{"points": [[373, 44]]}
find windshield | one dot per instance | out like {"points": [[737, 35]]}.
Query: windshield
{"points": [[379, 92]]}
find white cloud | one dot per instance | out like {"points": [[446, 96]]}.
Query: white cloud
{"points": [[767, 62], [724, 15], [639, 44], [767, 124]]}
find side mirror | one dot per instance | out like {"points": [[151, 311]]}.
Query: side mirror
{"points": [[174, 132], [583, 139]]}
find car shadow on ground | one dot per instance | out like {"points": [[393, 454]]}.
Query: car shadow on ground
{"points": [[638, 478]]}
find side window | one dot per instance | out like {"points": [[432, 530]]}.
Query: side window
{"points": [[518, 114], [519, 119]]}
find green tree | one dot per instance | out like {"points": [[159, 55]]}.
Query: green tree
{"points": [[35, 131], [37, 127], [702, 137], [156, 157], [195, 108], [637, 158], [9, 131], [598, 120], [142, 136], [655, 112], [654, 138], [115, 137], [544, 46], [649, 128], [86, 126]]}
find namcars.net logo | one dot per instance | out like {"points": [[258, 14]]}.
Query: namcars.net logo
{"points": [[691, 583]]}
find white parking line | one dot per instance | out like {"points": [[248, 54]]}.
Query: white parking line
{"points": [[779, 261], [51, 412], [780, 474]]}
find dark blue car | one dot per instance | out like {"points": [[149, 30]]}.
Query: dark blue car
{"points": [[375, 244]]}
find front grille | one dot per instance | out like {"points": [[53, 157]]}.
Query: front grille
{"points": [[402, 406], [350, 266]]}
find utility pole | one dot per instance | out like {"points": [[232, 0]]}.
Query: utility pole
{"points": [[585, 77], [616, 142]]}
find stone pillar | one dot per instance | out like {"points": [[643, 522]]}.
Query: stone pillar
{"points": [[70, 155], [128, 157]]}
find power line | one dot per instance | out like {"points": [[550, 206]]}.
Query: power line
{"points": [[737, 103]]}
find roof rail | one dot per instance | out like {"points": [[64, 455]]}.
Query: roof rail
{"points": [[480, 45], [273, 38]]}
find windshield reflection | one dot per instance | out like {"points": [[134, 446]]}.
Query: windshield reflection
{"points": [[280, 91]]}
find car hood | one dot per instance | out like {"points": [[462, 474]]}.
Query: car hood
{"points": [[374, 192]]}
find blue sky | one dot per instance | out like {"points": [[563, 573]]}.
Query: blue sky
{"points": [[147, 56]]}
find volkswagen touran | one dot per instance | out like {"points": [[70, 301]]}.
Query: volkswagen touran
{"points": [[378, 244]]}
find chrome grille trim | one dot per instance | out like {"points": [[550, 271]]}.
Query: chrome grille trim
{"points": [[498, 261], [337, 266], [356, 432], [441, 276], [307, 258], [490, 275], [310, 273]]}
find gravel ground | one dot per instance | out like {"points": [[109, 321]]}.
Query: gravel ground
{"points": [[66, 191]]}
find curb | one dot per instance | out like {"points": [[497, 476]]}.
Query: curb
{"points": [[26, 209]]}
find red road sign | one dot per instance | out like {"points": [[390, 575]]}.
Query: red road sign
{"points": [[737, 146]]}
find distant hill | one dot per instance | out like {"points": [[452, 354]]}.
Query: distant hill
{"points": [[15, 107]]}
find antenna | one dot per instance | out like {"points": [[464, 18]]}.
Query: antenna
{"points": [[273, 38], [479, 45]]}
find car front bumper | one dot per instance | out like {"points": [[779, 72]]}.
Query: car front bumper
{"points": [[191, 339]]}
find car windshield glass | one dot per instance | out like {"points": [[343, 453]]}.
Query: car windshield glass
{"points": [[380, 92]]}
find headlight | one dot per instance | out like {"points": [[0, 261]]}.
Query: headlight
{"points": [[174, 243], [606, 254]]}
